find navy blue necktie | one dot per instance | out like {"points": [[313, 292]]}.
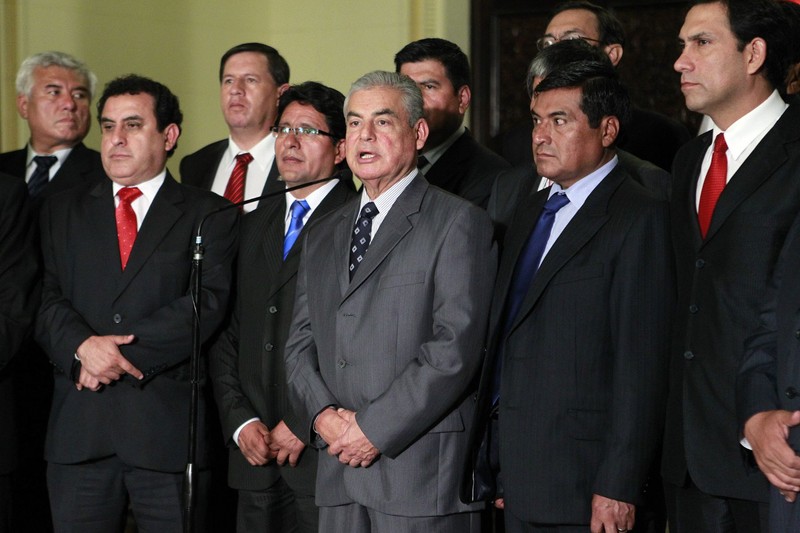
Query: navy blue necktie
{"points": [[299, 209], [40, 176], [361, 236], [524, 270]]}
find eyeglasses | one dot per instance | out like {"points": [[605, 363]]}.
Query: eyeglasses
{"points": [[283, 131], [549, 40]]}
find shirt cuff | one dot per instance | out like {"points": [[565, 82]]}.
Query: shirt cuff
{"points": [[239, 430]]}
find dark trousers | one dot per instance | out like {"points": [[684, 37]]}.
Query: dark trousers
{"points": [[93, 497], [278, 509], [515, 525], [690, 510]]}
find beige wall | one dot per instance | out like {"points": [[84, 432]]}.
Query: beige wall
{"points": [[179, 42]]}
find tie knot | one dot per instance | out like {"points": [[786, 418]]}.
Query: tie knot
{"points": [[369, 210], [719, 143], [244, 158], [299, 209], [44, 162], [128, 194], [556, 202]]}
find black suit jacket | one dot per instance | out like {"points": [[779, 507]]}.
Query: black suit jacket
{"points": [[86, 293], [247, 366], [582, 382], [519, 181], [722, 283], [19, 283], [769, 375], [200, 168], [81, 166], [467, 169]]}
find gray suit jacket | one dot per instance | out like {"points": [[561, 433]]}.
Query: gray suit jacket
{"points": [[400, 345]]}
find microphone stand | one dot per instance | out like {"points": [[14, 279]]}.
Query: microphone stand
{"points": [[189, 481]]}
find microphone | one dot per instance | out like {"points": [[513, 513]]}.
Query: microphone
{"points": [[199, 238], [189, 481]]}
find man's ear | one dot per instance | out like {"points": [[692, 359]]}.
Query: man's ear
{"points": [[614, 53], [609, 127]]}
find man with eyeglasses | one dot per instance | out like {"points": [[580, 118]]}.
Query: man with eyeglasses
{"points": [[252, 77], [648, 135], [269, 466]]}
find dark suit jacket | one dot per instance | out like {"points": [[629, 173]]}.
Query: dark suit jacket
{"points": [[200, 168], [247, 366], [582, 383], [519, 181], [769, 374], [86, 293], [467, 169], [19, 283], [722, 283], [399, 345], [81, 166]]}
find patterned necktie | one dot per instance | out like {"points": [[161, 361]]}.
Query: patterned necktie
{"points": [[234, 191], [40, 176], [715, 181], [299, 210], [524, 270], [126, 222], [361, 236]]}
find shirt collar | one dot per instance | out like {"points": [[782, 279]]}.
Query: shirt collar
{"points": [[313, 199], [263, 152], [744, 131], [579, 191], [149, 188], [434, 154], [60, 154]]}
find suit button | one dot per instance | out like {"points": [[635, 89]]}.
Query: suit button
{"points": [[693, 309], [273, 309], [791, 393], [797, 333], [688, 355], [342, 363], [117, 318], [699, 263], [268, 347]]}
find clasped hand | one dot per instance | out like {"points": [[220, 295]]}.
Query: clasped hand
{"points": [[102, 362], [345, 439]]}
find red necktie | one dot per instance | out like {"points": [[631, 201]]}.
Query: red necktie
{"points": [[126, 222], [715, 181], [234, 191]]}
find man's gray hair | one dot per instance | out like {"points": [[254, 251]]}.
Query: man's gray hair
{"points": [[409, 92], [24, 83]]}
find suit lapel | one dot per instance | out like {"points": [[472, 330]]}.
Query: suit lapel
{"points": [[759, 166], [162, 215], [519, 231], [272, 245], [580, 230], [101, 220], [393, 228]]}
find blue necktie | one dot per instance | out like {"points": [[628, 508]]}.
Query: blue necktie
{"points": [[524, 270], [299, 210], [40, 176], [361, 236]]}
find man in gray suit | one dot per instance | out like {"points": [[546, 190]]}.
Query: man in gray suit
{"points": [[390, 314]]}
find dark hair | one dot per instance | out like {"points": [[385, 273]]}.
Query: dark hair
{"points": [[609, 26], [278, 67], [455, 62], [765, 19], [326, 100], [602, 93], [562, 53], [166, 106]]}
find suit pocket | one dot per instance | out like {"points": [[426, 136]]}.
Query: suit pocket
{"points": [[587, 424], [400, 280], [571, 275]]}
